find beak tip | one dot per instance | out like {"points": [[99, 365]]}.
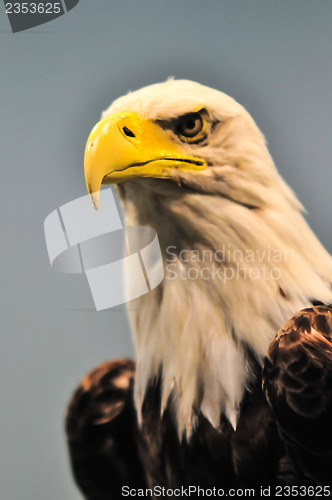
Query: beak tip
{"points": [[94, 197], [95, 202]]}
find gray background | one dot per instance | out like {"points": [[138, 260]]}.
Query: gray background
{"points": [[272, 56]]}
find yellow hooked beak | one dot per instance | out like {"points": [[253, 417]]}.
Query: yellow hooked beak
{"points": [[124, 146]]}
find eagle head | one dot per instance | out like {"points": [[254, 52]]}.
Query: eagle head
{"points": [[181, 131]]}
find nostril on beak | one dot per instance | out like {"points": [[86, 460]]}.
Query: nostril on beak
{"points": [[128, 132]]}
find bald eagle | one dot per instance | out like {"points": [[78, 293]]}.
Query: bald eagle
{"points": [[216, 397]]}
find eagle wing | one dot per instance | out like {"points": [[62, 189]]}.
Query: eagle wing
{"points": [[102, 432], [297, 379]]}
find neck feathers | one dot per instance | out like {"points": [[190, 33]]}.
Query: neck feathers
{"points": [[233, 276]]}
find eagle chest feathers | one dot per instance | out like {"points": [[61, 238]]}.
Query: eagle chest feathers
{"points": [[239, 260]]}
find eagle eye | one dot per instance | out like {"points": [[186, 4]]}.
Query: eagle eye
{"points": [[189, 125]]}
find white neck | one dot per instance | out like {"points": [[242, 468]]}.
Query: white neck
{"points": [[194, 326]]}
